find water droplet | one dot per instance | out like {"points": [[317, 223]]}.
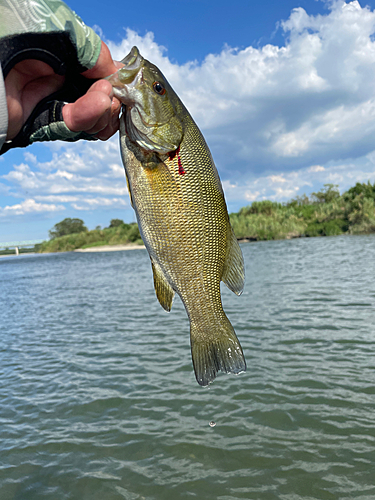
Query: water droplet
{"points": [[212, 423]]}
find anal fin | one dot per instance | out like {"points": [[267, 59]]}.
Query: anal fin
{"points": [[163, 289]]}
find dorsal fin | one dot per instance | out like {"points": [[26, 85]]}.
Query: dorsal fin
{"points": [[163, 289], [234, 269]]}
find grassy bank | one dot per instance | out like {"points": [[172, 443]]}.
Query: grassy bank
{"points": [[122, 234], [325, 213]]}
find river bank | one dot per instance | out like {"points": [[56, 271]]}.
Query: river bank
{"points": [[325, 213], [110, 248]]}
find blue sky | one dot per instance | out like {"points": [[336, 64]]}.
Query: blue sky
{"points": [[284, 93]]}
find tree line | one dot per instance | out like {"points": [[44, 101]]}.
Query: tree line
{"points": [[71, 234], [324, 213]]}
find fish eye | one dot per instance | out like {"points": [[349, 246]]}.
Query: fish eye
{"points": [[159, 88]]}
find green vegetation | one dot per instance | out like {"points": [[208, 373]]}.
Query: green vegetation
{"points": [[67, 226], [12, 251], [325, 213], [117, 233]]}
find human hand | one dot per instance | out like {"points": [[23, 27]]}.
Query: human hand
{"points": [[96, 112], [53, 65]]}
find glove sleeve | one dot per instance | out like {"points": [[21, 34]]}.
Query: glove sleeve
{"points": [[50, 16]]}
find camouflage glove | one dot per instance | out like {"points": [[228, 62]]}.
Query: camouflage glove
{"points": [[49, 31]]}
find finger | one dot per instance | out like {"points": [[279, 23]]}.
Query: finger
{"points": [[90, 113], [102, 86], [104, 65], [109, 130], [118, 64], [114, 123], [27, 83]]}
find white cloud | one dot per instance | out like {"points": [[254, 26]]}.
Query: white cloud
{"points": [[27, 207], [57, 198], [94, 203], [3, 188], [277, 179], [316, 168], [29, 157], [39, 183], [117, 170], [251, 196]]}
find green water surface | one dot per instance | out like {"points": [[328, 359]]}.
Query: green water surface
{"points": [[98, 399]]}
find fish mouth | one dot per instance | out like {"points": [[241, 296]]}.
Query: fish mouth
{"points": [[142, 138], [123, 93], [123, 85], [126, 84], [127, 75], [133, 60]]}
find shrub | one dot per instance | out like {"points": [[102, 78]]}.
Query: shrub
{"points": [[67, 226], [116, 223]]}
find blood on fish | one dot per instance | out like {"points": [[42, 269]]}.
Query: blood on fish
{"points": [[181, 170], [172, 155]]}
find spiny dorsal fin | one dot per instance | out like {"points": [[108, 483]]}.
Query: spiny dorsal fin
{"points": [[163, 289], [234, 269]]}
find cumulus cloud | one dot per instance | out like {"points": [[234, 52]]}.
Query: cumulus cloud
{"points": [[62, 181], [281, 107], [99, 202], [3, 188], [277, 109], [316, 168], [29, 206], [79, 177], [278, 120]]}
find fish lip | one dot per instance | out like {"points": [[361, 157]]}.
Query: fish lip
{"points": [[133, 59]]}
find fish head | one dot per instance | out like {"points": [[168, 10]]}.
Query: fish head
{"points": [[149, 104]]}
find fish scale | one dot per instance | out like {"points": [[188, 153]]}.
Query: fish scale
{"points": [[181, 213]]}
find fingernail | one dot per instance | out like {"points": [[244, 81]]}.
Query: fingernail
{"points": [[118, 64]]}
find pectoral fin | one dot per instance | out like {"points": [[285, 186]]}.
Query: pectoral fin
{"points": [[234, 269], [129, 191], [123, 149], [163, 289]]}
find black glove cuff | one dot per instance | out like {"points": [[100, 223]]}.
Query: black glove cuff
{"points": [[57, 50], [54, 48]]}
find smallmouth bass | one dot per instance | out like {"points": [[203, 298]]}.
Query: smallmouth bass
{"points": [[182, 216]]}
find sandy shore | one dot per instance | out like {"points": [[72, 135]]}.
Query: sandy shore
{"points": [[110, 248]]}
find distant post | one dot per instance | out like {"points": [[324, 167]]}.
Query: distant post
{"points": [[17, 251]]}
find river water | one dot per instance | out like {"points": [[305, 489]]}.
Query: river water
{"points": [[98, 399]]}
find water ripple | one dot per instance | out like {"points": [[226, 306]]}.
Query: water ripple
{"points": [[99, 400]]}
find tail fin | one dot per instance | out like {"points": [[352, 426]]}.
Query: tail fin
{"points": [[213, 353]]}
